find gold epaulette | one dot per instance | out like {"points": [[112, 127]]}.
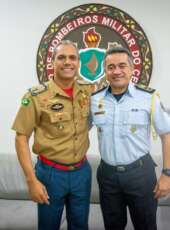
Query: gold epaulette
{"points": [[145, 88], [91, 86], [35, 90], [83, 82]]}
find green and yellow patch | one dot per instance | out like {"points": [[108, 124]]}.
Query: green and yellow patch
{"points": [[25, 101]]}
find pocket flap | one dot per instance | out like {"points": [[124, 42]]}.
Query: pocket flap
{"points": [[139, 117], [99, 118], [58, 117]]}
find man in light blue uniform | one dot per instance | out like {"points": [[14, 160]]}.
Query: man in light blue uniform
{"points": [[125, 114]]}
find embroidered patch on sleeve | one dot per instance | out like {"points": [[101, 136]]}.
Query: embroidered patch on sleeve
{"points": [[25, 102]]}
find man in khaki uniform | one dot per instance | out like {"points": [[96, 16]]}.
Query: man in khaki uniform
{"points": [[57, 113]]}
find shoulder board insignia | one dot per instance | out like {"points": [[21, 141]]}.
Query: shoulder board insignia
{"points": [[38, 89], [145, 88], [98, 91], [83, 82]]}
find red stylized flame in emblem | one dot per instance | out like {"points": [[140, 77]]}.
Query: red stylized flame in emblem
{"points": [[91, 38]]}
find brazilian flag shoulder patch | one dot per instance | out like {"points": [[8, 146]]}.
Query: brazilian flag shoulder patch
{"points": [[25, 101]]}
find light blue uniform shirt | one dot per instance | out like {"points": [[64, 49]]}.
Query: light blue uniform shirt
{"points": [[124, 126]]}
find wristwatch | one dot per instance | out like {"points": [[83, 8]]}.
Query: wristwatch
{"points": [[166, 172]]}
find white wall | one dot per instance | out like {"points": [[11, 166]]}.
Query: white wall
{"points": [[22, 24]]}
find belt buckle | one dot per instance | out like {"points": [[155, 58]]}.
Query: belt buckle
{"points": [[140, 162], [120, 168], [71, 167]]}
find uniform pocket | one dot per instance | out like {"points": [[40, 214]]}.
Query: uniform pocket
{"points": [[56, 125], [59, 117], [135, 122], [99, 118], [139, 117]]}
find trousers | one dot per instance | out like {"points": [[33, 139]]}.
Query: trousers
{"points": [[131, 187], [65, 188]]}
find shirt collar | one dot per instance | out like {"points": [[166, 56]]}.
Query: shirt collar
{"points": [[130, 90], [57, 90]]}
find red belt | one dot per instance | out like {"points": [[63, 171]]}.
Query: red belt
{"points": [[62, 166]]}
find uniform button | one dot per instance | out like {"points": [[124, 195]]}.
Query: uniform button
{"points": [[60, 118], [60, 127]]}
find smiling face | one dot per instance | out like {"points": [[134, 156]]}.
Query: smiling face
{"points": [[118, 70], [66, 63]]}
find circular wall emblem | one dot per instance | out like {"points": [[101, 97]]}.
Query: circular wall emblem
{"points": [[95, 28]]}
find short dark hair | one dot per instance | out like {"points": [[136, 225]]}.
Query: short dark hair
{"points": [[119, 49], [64, 42]]}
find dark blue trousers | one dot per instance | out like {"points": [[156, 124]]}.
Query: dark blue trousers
{"points": [[69, 188], [132, 188]]}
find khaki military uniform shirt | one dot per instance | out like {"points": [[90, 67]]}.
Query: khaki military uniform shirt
{"points": [[59, 123]]}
